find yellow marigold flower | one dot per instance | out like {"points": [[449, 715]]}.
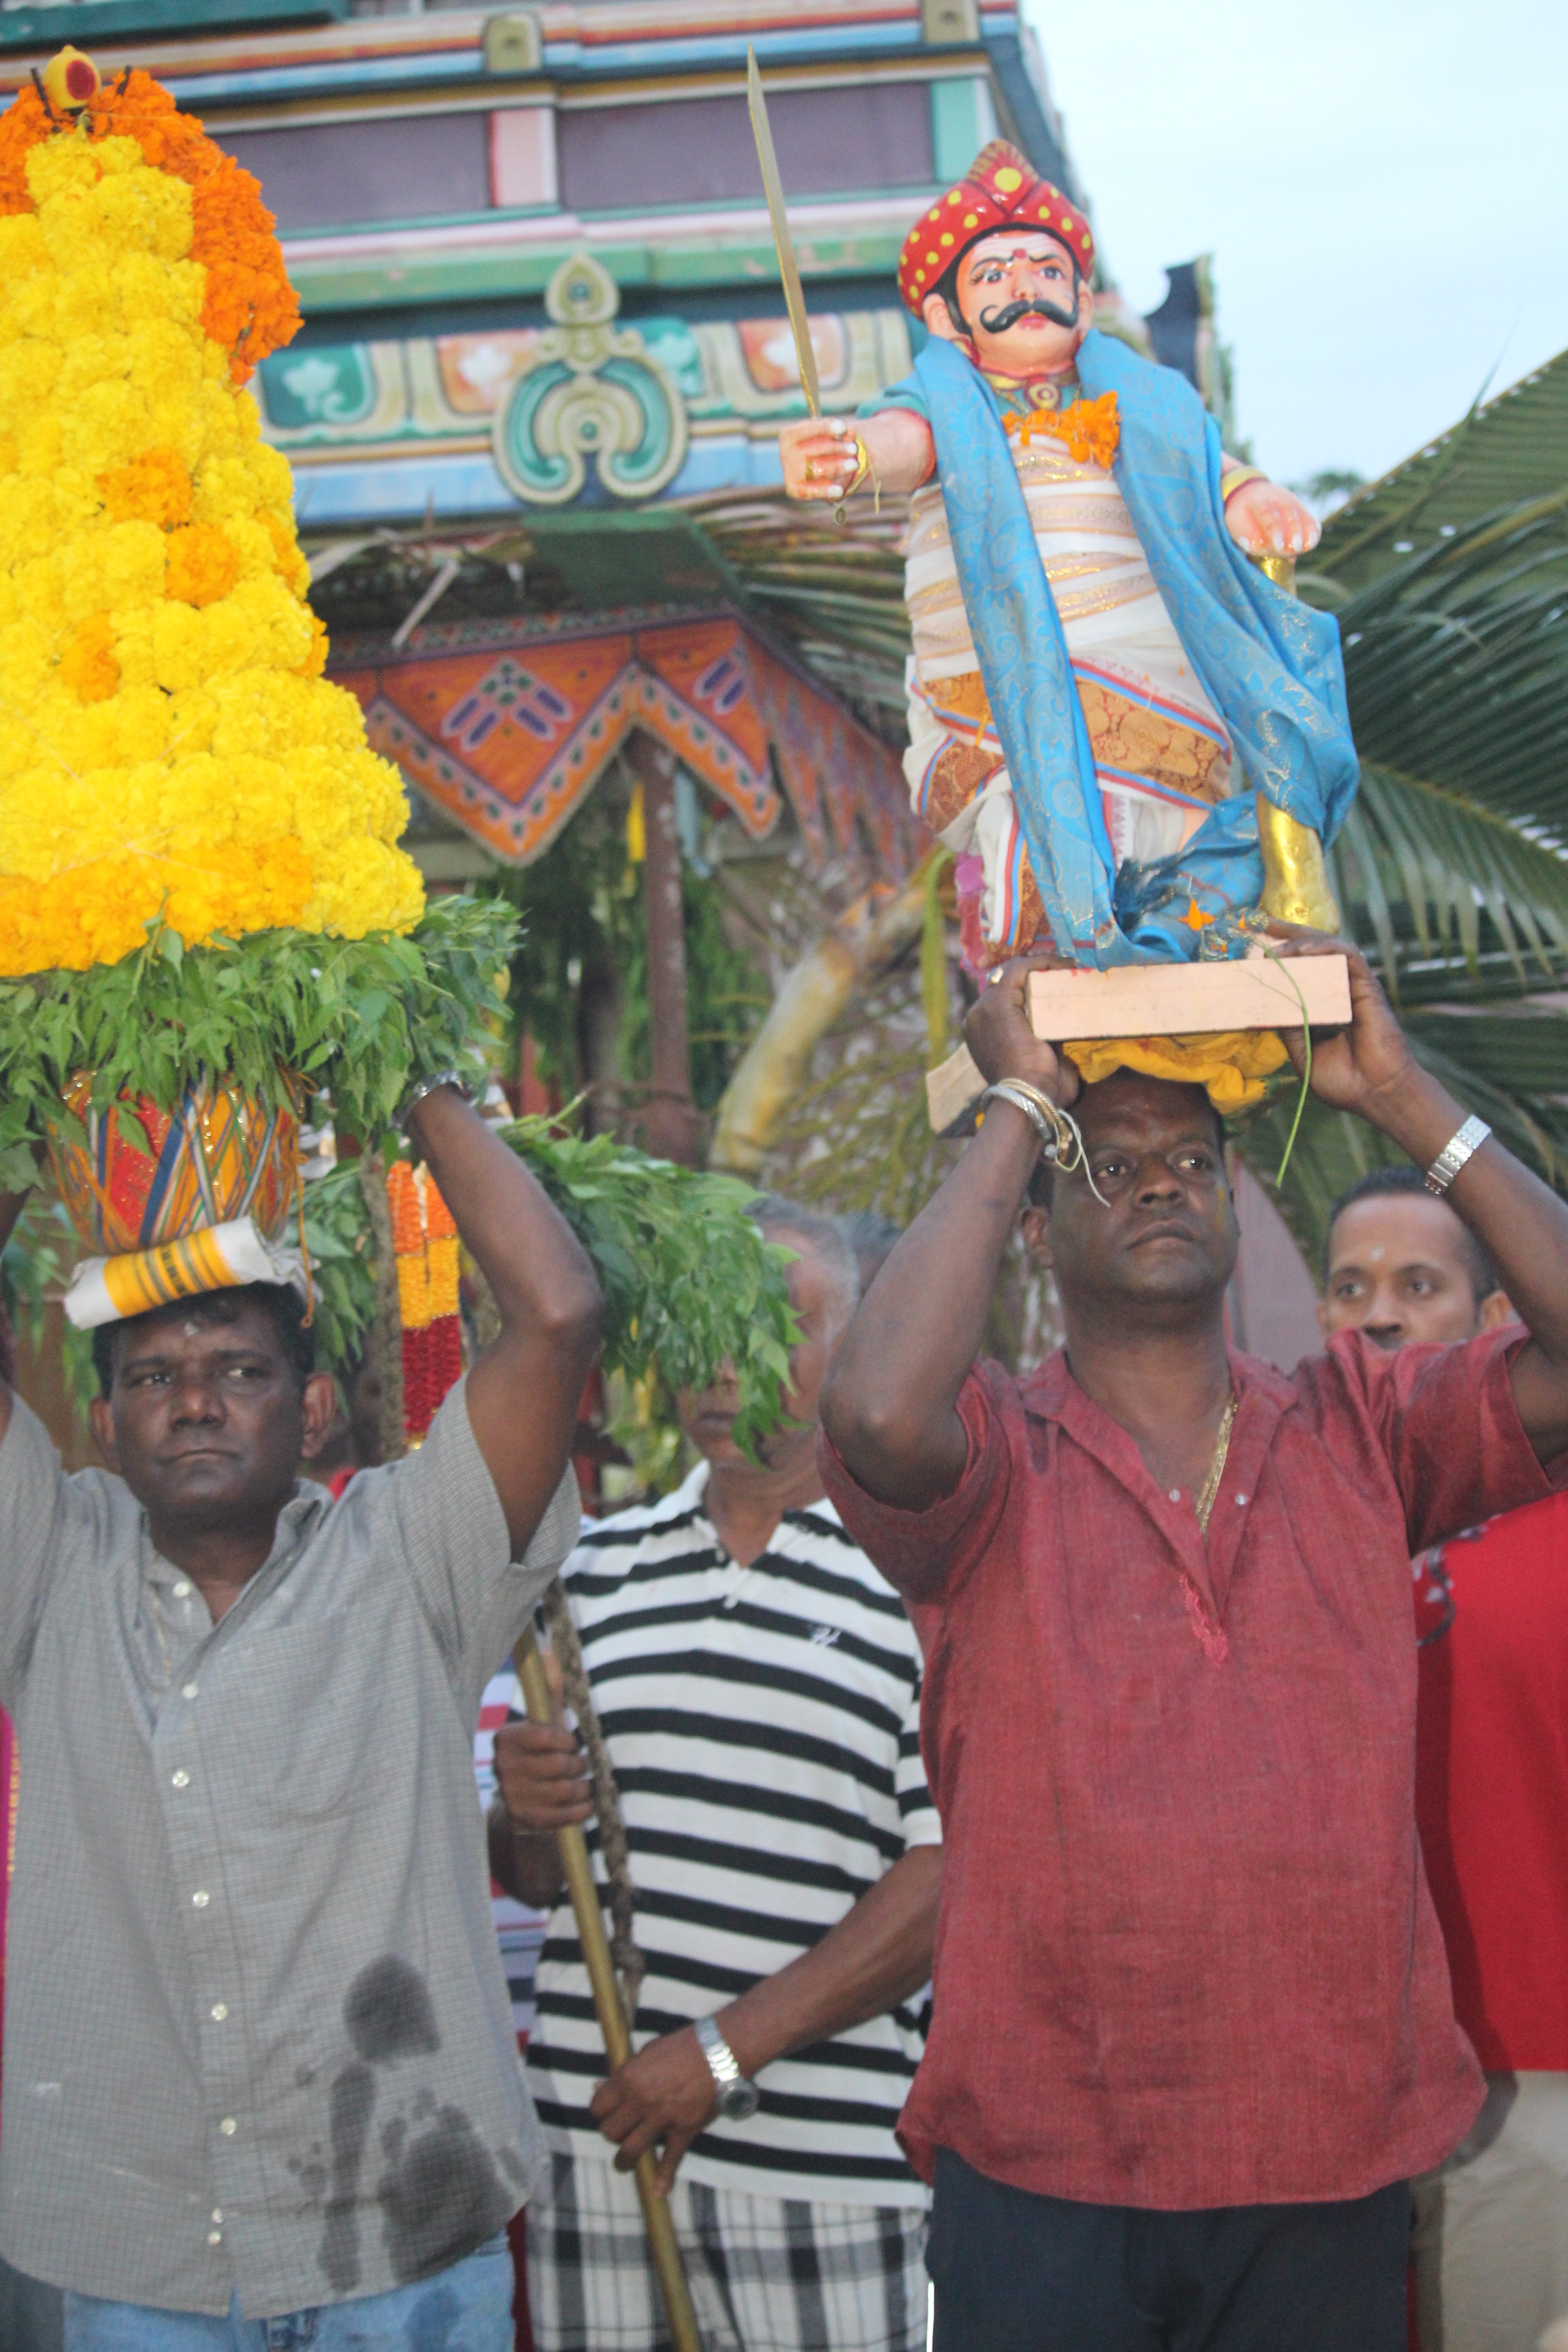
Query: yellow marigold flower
{"points": [[87, 664], [59, 168], [153, 488], [27, 374], [364, 875], [203, 565], [110, 570]]}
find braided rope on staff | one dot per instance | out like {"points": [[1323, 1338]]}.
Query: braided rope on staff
{"points": [[630, 1965]]}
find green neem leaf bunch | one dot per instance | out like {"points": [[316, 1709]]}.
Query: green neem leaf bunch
{"points": [[289, 1014], [688, 1281]]}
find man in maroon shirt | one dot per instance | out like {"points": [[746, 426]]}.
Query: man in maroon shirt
{"points": [[1193, 2032], [1491, 1804]]}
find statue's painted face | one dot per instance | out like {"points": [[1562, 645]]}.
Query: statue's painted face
{"points": [[1023, 305]]}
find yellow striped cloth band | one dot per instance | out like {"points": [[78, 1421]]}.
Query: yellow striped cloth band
{"points": [[218, 1258]]}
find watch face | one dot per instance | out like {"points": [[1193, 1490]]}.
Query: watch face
{"points": [[739, 2102]]}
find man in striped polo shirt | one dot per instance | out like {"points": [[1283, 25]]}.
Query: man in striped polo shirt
{"points": [[758, 1684]]}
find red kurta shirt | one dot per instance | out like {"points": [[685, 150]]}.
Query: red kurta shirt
{"points": [[1186, 1955], [1491, 1778]]}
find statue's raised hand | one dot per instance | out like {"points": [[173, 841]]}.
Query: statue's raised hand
{"points": [[821, 459], [1263, 519], [818, 454]]}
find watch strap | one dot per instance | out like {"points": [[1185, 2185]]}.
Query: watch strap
{"points": [[1459, 1148], [723, 2062]]}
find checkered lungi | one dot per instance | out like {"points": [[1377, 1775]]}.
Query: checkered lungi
{"points": [[767, 2273]]}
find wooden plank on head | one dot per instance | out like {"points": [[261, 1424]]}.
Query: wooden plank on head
{"points": [[1179, 999], [953, 1089]]}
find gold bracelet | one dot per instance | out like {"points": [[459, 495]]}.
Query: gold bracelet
{"points": [[863, 466], [1230, 483]]}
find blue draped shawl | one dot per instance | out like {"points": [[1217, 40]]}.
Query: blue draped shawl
{"points": [[1270, 666]]}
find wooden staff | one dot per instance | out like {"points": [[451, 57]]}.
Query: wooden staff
{"points": [[584, 1894]]}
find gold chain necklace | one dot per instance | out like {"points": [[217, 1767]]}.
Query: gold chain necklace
{"points": [[1203, 1500]]}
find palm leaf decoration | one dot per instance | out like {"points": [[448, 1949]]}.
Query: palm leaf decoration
{"points": [[1453, 607]]}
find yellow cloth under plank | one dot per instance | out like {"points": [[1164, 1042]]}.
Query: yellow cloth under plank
{"points": [[1232, 1064]]}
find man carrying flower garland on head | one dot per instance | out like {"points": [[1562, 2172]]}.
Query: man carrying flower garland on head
{"points": [[275, 2097], [1101, 682]]}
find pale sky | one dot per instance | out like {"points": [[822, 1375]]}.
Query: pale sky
{"points": [[1383, 184]]}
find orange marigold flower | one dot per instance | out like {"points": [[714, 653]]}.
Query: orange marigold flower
{"points": [[87, 664], [203, 565], [23, 124], [1091, 428], [296, 571], [153, 488], [250, 307], [408, 1225]]}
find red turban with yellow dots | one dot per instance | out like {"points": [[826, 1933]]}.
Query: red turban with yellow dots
{"points": [[1000, 189]]}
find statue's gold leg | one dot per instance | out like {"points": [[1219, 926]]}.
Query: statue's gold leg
{"points": [[1294, 880]]}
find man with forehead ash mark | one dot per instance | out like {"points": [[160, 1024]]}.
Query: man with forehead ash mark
{"points": [[275, 2097]]}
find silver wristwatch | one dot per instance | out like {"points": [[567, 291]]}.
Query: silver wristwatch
{"points": [[1454, 1154], [738, 2099]]}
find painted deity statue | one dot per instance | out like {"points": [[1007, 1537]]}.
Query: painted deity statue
{"points": [[1134, 739]]}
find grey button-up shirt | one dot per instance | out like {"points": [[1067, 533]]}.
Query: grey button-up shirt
{"points": [[256, 2034]]}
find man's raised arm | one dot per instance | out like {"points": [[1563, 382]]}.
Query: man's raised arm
{"points": [[524, 1392], [1523, 1224], [889, 1403]]}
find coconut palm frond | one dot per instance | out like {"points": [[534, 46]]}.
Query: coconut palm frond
{"points": [[1450, 581], [1456, 664], [1447, 895]]}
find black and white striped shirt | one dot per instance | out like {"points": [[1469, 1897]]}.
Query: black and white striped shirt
{"points": [[763, 1727]]}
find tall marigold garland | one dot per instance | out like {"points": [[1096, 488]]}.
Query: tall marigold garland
{"points": [[425, 1241], [169, 751]]}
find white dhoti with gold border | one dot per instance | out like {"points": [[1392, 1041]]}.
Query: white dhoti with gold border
{"points": [[1161, 755]]}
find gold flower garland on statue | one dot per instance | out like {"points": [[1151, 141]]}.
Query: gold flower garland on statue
{"points": [[169, 751]]}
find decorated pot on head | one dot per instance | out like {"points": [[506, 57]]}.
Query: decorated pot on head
{"points": [[197, 1198]]}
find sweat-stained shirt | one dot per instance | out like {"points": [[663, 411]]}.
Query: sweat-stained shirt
{"points": [[279, 2061], [1186, 1955]]}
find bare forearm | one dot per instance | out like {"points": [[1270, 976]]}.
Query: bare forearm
{"points": [[888, 1404], [900, 447], [879, 1954], [1524, 1226], [538, 1273], [524, 1862], [524, 1392]]}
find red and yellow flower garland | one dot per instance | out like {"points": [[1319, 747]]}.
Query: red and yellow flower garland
{"points": [[425, 1241]]}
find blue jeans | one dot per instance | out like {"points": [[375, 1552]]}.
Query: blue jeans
{"points": [[465, 2309]]}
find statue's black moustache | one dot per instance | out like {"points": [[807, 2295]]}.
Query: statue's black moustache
{"points": [[996, 322]]}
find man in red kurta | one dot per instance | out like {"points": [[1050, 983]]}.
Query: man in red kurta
{"points": [[1193, 2032], [1491, 1804]]}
